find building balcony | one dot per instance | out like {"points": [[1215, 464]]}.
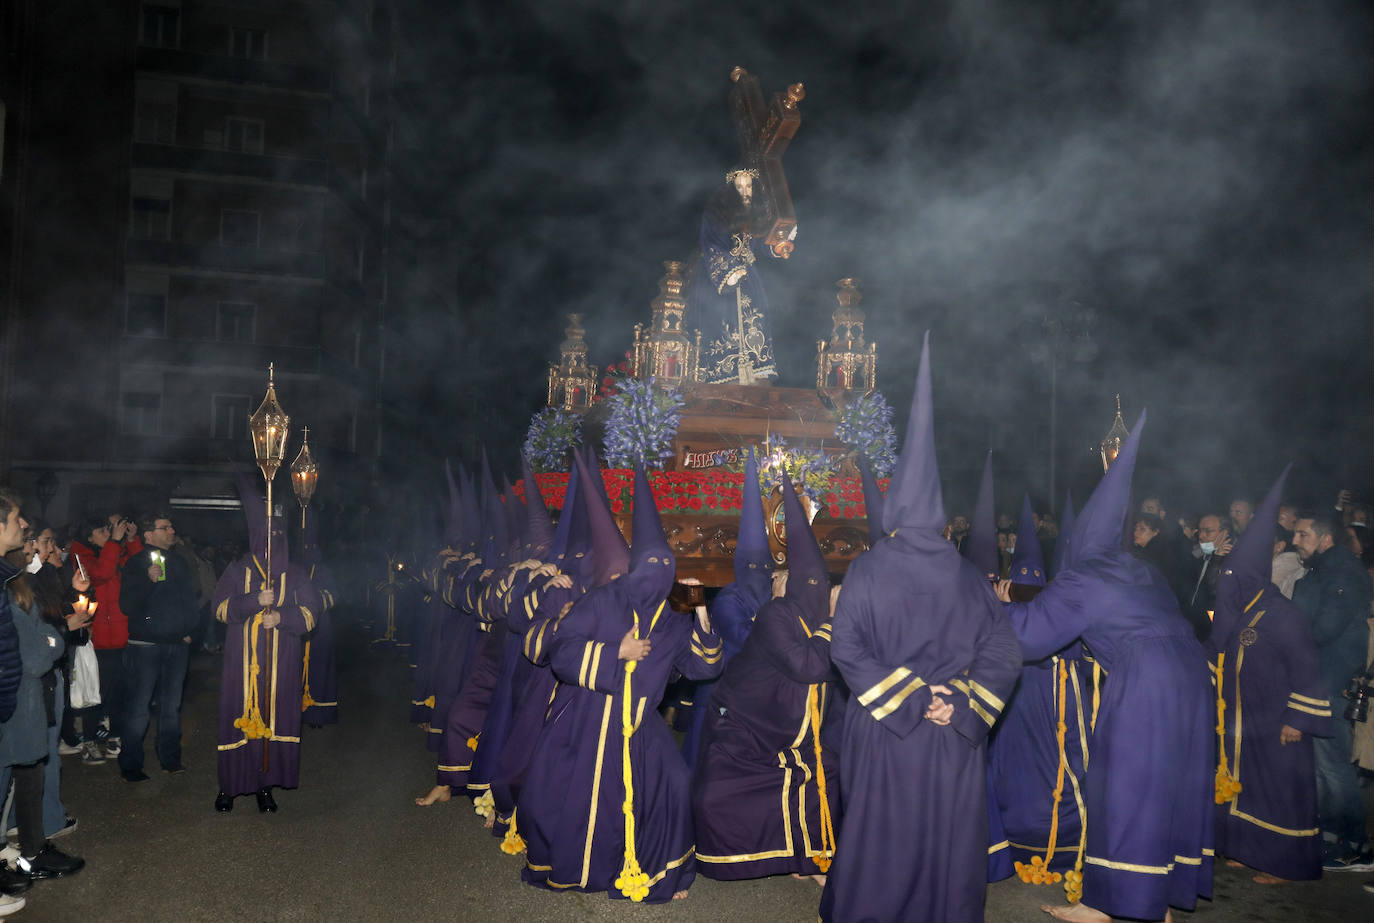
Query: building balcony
{"points": [[176, 353], [210, 257], [271, 167], [274, 74]]}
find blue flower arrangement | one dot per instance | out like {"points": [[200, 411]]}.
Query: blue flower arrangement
{"points": [[553, 431], [866, 427], [642, 425]]}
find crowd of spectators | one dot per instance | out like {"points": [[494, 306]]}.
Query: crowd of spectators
{"points": [[65, 588], [1323, 560]]}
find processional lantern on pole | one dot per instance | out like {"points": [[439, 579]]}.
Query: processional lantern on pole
{"points": [[305, 474], [269, 427], [1115, 438]]}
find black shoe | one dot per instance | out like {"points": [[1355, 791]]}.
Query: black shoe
{"points": [[224, 803], [265, 803], [13, 883], [50, 862], [174, 769], [134, 775]]}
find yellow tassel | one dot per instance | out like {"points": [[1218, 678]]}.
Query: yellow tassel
{"points": [[472, 741], [512, 844], [1227, 785], [430, 702], [632, 882], [484, 804], [250, 722], [822, 859]]}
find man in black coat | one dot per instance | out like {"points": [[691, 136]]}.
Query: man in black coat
{"points": [[158, 594]]}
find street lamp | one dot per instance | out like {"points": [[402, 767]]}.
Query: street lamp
{"points": [[1116, 436], [269, 427], [305, 474]]}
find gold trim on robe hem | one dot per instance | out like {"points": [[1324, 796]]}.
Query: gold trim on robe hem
{"points": [[1002, 845], [1147, 869], [1274, 828]]}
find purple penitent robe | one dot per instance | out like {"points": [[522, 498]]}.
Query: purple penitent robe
{"points": [[570, 810], [1148, 789], [1271, 677], [273, 692], [756, 798]]}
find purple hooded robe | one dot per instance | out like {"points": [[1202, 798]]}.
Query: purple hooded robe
{"points": [[1270, 674], [268, 700], [576, 807], [913, 614], [1148, 788], [757, 799]]}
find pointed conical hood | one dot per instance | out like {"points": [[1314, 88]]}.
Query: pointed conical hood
{"points": [[914, 503], [254, 513], [1061, 542], [1097, 532], [538, 526], [981, 547], [873, 500], [753, 559], [611, 556], [808, 582], [651, 559], [1249, 568], [558, 545], [1028, 560], [515, 521], [453, 518], [579, 561]]}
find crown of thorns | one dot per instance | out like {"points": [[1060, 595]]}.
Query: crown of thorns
{"points": [[741, 171]]}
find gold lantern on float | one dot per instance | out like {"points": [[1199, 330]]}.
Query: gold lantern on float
{"points": [[269, 427], [305, 474], [1115, 438]]}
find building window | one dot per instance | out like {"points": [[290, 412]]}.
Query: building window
{"points": [[248, 43], [243, 135], [238, 228], [146, 315], [229, 415], [236, 322], [139, 414], [150, 219], [155, 122], [161, 26]]}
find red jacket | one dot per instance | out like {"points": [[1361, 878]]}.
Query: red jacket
{"points": [[111, 626]]}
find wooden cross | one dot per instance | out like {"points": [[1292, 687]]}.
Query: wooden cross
{"points": [[764, 134]]}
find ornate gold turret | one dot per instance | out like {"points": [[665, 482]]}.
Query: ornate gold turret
{"points": [[572, 383], [846, 362], [664, 351]]}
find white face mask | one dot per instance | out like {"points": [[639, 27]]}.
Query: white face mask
{"points": [[35, 565], [1207, 547]]}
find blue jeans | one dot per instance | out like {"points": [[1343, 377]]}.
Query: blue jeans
{"points": [[1340, 807], [152, 670]]}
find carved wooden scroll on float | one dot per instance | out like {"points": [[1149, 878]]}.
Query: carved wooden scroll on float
{"points": [[764, 133]]}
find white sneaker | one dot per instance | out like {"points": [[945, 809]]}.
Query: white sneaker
{"points": [[9, 853], [90, 753], [112, 747], [66, 749], [9, 905]]}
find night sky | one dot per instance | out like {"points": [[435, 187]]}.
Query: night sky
{"points": [[1187, 183]]}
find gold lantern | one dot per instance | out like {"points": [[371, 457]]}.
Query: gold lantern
{"points": [[269, 427], [1115, 438], [305, 474]]}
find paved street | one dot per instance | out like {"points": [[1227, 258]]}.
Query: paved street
{"points": [[350, 844]]}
